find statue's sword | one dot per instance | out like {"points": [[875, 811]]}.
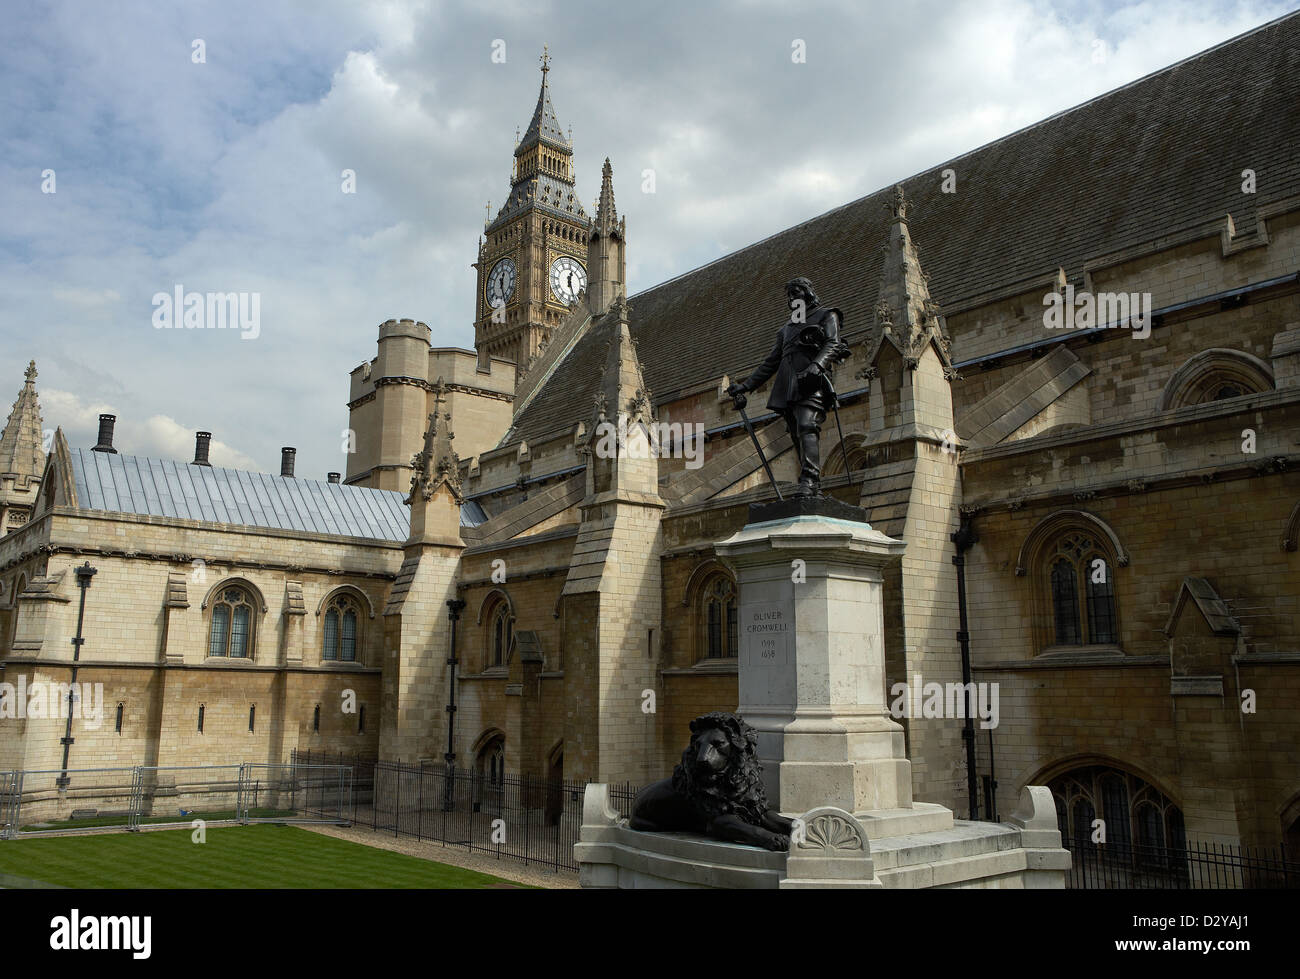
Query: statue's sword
{"points": [[835, 406], [758, 448]]}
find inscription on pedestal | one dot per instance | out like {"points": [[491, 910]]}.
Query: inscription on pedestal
{"points": [[767, 630], [767, 653]]}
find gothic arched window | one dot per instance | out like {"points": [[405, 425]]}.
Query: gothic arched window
{"points": [[1118, 826], [501, 636], [1216, 375], [1081, 587], [720, 618], [231, 631], [341, 629]]}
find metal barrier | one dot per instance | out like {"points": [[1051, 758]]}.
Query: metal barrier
{"points": [[296, 793], [1188, 865], [52, 801], [11, 794], [515, 817]]}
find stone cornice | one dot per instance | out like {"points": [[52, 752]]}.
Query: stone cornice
{"points": [[1122, 486], [525, 576], [1072, 663], [559, 533], [1144, 423], [189, 559], [113, 516], [420, 382], [85, 664]]}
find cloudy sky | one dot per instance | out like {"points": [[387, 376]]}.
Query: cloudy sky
{"points": [[226, 175]]}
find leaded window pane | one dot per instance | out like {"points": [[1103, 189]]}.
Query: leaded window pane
{"points": [[715, 628], [348, 652], [1101, 601], [1150, 826], [732, 629], [239, 632], [1065, 603], [1115, 809], [220, 630], [331, 650], [1083, 816]]}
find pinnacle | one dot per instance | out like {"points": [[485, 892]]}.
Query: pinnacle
{"points": [[606, 213], [21, 441], [544, 127]]}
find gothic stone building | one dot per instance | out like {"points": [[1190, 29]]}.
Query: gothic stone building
{"points": [[1122, 506]]}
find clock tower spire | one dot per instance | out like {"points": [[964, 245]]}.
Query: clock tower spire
{"points": [[532, 265]]}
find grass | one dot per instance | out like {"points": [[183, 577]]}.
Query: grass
{"points": [[255, 857]]}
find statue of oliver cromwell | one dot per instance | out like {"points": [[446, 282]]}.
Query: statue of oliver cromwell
{"points": [[806, 349]]}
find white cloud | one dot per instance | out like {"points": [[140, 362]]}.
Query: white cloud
{"points": [[159, 436], [226, 176]]}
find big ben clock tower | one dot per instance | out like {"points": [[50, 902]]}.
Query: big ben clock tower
{"points": [[532, 260]]}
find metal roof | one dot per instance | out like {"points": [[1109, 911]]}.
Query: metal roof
{"points": [[472, 514], [166, 488]]}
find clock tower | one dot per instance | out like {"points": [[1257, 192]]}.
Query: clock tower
{"points": [[532, 258]]}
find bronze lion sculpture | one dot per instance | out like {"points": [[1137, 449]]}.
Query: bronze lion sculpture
{"points": [[716, 790]]}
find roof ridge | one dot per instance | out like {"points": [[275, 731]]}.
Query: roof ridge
{"points": [[231, 469]]}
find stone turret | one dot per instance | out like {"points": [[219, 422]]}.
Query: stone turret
{"points": [[436, 494], [22, 456], [911, 423], [912, 387], [613, 593], [417, 642], [606, 249]]}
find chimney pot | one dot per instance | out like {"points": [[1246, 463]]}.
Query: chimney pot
{"points": [[201, 442], [106, 423], [286, 461], [333, 477]]}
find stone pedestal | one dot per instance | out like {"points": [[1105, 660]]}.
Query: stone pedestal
{"points": [[833, 850], [812, 684], [812, 663]]}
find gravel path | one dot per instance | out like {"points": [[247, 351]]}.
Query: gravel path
{"points": [[456, 856]]}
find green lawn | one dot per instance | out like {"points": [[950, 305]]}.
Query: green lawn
{"points": [[264, 856]]}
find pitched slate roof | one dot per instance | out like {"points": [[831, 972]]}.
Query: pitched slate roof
{"points": [[1156, 157], [166, 488], [544, 126]]}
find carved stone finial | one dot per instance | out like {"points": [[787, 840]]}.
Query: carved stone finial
{"points": [[437, 463], [30, 373], [899, 206], [884, 315]]}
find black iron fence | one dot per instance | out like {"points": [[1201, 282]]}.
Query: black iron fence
{"points": [[517, 817], [80, 799], [1192, 865]]}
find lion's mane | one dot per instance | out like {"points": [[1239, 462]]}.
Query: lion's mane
{"points": [[738, 789]]}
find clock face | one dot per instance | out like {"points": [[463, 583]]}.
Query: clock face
{"points": [[568, 278], [501, 283]]}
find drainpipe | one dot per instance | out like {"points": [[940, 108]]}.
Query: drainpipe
{"points": [[964, 538], [84, 574], [454, 607]]}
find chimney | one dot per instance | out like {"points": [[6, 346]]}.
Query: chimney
{"points": [[106, 423], [201, 442], [286, 461], [333, 477]]}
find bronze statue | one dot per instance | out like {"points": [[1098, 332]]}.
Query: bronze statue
{"points": [[716, 790], [806, 349]]}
